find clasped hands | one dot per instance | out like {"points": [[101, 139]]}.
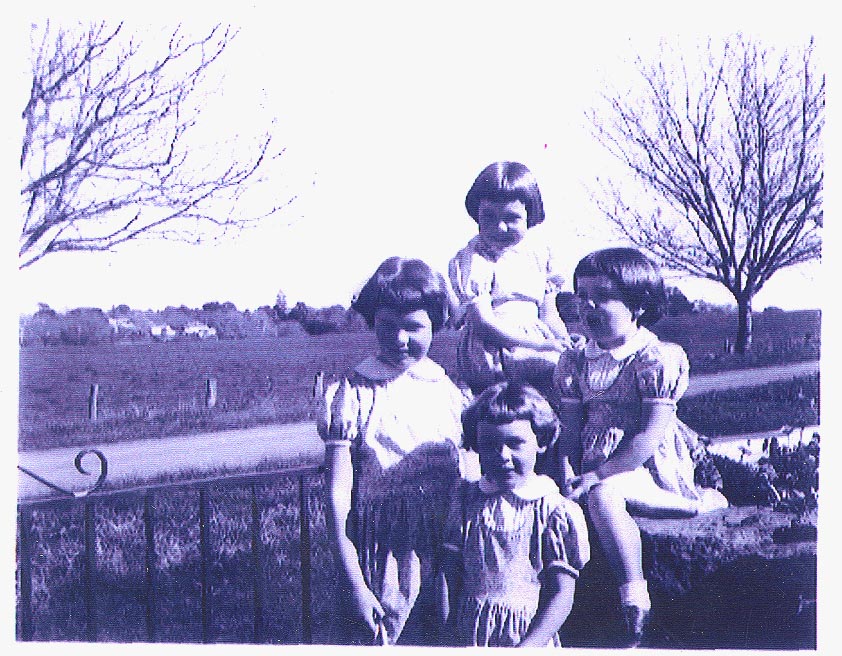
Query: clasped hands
{"points": [[578, 486]]}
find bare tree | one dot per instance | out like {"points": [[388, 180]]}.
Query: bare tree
{"points": [[730, 150], [111, 150]]}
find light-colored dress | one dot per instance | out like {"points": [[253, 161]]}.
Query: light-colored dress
{"points": [[613, 386], [515, 279], [507, 541], [404, 430]]}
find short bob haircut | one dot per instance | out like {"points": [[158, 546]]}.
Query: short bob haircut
{"points": [[506, 402], [503, 182], [638, 278], [404, 285]]}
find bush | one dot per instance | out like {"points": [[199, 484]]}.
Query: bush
{"points": [[787, 479]]}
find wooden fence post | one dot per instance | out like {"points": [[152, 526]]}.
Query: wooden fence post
{"points": [[210, 393], [319, 386], [92, 401]]}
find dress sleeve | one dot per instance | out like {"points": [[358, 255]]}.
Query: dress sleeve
{"points": [[470, 277], [566, 377], [565, 542], [662, 373], [338, 415]]}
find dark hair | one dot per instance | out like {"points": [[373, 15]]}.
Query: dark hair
{"points": [[506, 402], [404, 285], [505, 182], [636, 276]]}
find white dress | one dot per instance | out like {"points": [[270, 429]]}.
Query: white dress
{"points": [[404, 431], [507, 540], [515, 280]]}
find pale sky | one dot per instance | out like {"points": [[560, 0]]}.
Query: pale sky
{"points": [[387, 115]]}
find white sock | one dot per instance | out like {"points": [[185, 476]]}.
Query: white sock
{"points": [[635, 593]]}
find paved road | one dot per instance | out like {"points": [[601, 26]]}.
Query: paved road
{"points": [[142, 458], [244, 447], [747, 377]]}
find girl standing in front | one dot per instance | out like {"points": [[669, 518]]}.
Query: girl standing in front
{"points": [[392, 433], [617, 398], [514, 546], [505, 280]]}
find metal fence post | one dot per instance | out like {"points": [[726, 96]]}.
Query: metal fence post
{"points": [[204, 554], [89, 569], [256, 548], [149, 532], [25, 557], [306, 608]]}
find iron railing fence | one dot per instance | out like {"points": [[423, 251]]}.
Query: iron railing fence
{"points": [[146, 495]]}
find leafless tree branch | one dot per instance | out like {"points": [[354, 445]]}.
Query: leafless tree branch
{"points": [[109, 150]]}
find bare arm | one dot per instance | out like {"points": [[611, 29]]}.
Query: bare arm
{"points": [[633, 450], [557, 462], [450, 582], [554, 606], [548, 313], [571, 418], [340, 479]]}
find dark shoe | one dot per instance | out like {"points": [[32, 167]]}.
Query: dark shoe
{"points": [[634, 624]]}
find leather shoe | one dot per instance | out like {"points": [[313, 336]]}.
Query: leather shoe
{"points": [[635, 620]]}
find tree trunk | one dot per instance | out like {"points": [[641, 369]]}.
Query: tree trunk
{"points": [[744, 327]]}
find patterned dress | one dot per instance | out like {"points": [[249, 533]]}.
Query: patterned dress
{"points": [[403, 430], [507, 540], [515, 279], [613, 386]]}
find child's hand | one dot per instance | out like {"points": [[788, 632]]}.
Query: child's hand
{"points": [[577, 341], [558, 345], [580, 485], [366, 607]]}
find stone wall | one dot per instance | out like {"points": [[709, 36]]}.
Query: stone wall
{"points": [[742, 578]]}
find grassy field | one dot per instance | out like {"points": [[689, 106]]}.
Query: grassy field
{"points": [[157, 389], [779, 337]]}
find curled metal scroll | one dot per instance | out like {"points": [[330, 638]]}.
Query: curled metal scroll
{"points": [[77, 461]]}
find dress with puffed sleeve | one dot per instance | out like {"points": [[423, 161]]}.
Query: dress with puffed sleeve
{"points": [[507, 542], [514, 281], [403, 429], [613, 386]]}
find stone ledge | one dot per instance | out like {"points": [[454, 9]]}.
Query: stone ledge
{"points": [[741, 578]]}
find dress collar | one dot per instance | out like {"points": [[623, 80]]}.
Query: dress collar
{"points": [[494, 253], [535, 487], [642, 338], [376, 370]]}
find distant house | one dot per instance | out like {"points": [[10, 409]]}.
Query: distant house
{"points": [[125, 327], [162, 331], [200, 330]]}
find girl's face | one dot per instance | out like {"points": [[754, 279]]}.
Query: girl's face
{"points": [[403, 338], [501, 223], [608, 319], [507, 452]]}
